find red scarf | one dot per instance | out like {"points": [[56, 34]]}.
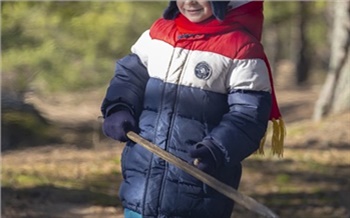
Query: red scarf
{"points": [[250, 18]]}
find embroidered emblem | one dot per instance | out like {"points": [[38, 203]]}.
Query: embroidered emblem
{"points": [[203, 70]]}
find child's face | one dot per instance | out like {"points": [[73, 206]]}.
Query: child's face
{"points": [[195, 10]]}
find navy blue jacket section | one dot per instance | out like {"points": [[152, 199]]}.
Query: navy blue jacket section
{"points": [[177, 117], [127, 86]]}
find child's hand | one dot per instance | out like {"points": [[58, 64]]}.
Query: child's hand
{"points": [[207, 156], [117, 124]]}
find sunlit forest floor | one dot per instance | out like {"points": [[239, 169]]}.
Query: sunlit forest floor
{"points": [[80, 176]]}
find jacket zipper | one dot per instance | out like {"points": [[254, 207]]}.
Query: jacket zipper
{"points": [[169, 134], [154, 139]]}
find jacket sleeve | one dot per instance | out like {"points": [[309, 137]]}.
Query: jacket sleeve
{"points": [[241, 129], [126, 88], [239, 133]]}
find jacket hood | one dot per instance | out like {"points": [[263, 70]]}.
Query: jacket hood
{"points": [[220, 8]]}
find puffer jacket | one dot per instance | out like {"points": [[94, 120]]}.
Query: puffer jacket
{"points": [[185, 83]]}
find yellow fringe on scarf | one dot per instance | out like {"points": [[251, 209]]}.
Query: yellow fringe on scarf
{"points": [[277, 138]]}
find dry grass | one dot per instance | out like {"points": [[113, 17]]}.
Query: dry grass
{"points": [[311, 180]]}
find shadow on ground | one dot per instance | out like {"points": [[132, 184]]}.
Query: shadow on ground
{"points": [[48, 201]]}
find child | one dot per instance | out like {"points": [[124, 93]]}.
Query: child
{"points": [[198, 85]]}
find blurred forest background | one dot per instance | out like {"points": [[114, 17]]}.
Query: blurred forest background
{"points": [[58, 58]]}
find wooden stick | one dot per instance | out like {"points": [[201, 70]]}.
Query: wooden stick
{"points": [[224, 189]]}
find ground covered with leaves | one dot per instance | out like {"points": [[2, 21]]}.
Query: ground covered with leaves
{"points": [[72, 180]]}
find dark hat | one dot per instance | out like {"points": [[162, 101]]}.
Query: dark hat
{"points": [[219, 10]]}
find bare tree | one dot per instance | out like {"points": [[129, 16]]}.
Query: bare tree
{"points": [[335, 94], [302, 44]]}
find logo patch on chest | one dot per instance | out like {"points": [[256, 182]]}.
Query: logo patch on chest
{"points": [[203, 70]]}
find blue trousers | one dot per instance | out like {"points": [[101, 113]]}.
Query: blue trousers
{"points": [[131, 214]]}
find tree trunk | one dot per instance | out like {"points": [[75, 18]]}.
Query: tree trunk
{"points": [[335, 94], [302, 60]]}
